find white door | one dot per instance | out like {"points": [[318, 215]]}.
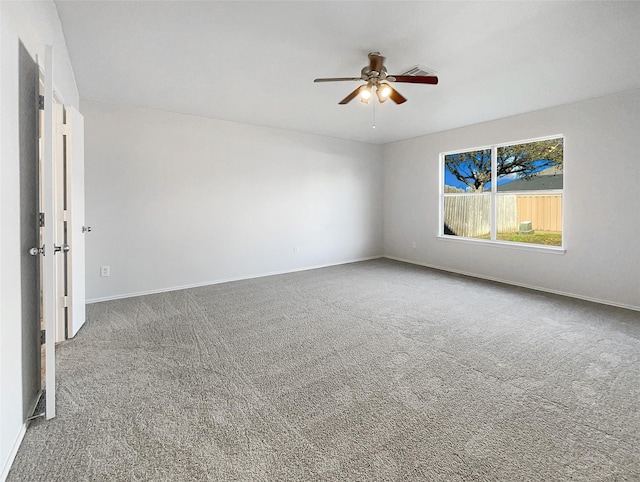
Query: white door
{"points": [[75, 227], [48, 265], [59, 223], [30, 241], [69, 226]]}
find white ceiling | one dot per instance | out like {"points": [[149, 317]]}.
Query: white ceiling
{"points": [[254, 62]]}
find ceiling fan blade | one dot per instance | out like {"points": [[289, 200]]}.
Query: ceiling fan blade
{"points": [[351, 96], [337, 79], [396, 96], [376, 62], [416, 79]]}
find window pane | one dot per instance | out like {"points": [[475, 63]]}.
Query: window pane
{"points": [[467, 215], [530, 218], [467, 171], [532, 166], [528, 196]]}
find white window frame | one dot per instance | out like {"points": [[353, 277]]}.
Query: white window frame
{"points": [[494, 205]]}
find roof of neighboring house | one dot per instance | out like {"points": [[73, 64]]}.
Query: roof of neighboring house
{"points": [[548, 179]]}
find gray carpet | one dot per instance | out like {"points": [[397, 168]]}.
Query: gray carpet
{"points": [[368, 371]]}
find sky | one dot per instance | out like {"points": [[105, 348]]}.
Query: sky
{"points": [[450, 180]]}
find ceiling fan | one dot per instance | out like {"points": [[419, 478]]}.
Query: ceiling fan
{"points": [[376, 78]]}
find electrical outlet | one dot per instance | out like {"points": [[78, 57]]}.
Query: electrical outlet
{"points": [[105, 271]]}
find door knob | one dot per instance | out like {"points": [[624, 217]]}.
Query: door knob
{"points": [[86, 229], [36, 251], [65, 248]]}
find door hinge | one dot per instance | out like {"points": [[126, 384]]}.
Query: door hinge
{"points": [[65, 302], [65, 215], [63, 129], [43, 337], [41, 219], [41, 102]]}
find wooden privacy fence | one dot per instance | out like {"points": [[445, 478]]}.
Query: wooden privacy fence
{"points": [[544, 211], [468, 216]]}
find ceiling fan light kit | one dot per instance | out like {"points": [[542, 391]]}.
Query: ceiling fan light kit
{"points": [[376, 77], [383, 92], [365, 93]]}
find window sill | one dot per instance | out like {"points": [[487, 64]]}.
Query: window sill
{"points": [[540, 248]]}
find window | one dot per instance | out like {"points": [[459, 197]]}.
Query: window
{"points": [[508, 193]]}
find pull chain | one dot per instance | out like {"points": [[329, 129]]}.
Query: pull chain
{"points": [[374, 115]]}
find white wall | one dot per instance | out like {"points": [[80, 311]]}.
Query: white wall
{"points": [[178, 201], [601, 202], [11, 422], [35, 24]]}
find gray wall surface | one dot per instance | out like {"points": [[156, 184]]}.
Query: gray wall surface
{"points": [[177, 200], [601, 200]]}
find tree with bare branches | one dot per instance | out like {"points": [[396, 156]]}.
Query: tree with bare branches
{"points": [[522, 161]]}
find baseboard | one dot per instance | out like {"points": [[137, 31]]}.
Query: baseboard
{"points": [[521, 285], [12, 455], [226, 280]]}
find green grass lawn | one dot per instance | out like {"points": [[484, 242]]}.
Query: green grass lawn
{"points": [[540, 237]]}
